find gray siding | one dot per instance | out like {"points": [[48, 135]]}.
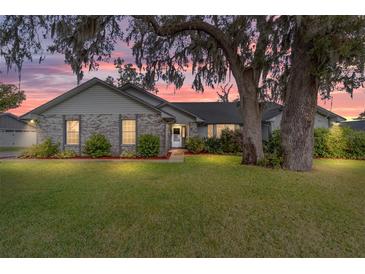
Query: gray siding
{"points": [[181, 118], [319, 122], [99, 100], [143, 96], [203, 131]]}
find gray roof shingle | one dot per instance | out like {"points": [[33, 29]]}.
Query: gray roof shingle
{"points": [[228, 113], [356, 124]]}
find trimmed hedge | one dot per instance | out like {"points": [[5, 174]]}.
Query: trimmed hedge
{"points": [[148, 145]]}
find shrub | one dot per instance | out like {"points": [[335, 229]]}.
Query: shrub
{"points": [[44, 150], [128, 154], [273, 145], [194, 144], [272, 160], [273, 153], [97, 146], [148, 145], [320, 143], [231, 141], [336, 142], [67, 153], [213, 145], [356, 145]]}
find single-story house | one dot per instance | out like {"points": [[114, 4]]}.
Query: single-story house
{"points": [[15, 132], [123, 114], [355, 124]]}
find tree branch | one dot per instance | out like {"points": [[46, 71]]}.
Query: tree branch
{"points": [[222, 39]]}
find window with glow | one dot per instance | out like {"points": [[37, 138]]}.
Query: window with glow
{"points": [[210, 131], [220, 127], [72, 132], [129, 132]]}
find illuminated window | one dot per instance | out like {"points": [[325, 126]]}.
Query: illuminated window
{"points": [[220, 127], [210, 131], [72, 132], [129, 132]]}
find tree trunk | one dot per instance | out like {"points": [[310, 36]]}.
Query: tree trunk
{"points": [[297, 124], [251, 118]]}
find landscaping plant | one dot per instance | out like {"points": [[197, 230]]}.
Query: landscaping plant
{"points": [[148, 145], [213, 145], [97, 146], [231, 141], [194, 144], [46, 149], [67, 153]]}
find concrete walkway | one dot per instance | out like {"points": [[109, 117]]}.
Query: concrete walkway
{"points": [[177, 155]]}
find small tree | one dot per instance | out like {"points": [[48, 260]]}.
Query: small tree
{"points": [[10, 97]]}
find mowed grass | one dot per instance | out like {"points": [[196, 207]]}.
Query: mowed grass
{"points": [[209, 206]]}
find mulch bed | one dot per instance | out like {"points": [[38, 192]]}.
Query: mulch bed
{"points": [[107, 158]]}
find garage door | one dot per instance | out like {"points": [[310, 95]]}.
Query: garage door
{"points": [[17, 138]]}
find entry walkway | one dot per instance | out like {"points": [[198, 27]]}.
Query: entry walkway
{"points": [[177, 155]]}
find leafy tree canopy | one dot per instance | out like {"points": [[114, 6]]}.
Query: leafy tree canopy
{"points": [[129, 74], [212, 47], [83, 40], [336, 45], [10, 97]]}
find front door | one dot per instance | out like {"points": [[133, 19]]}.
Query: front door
{"points": [[176, 136]]}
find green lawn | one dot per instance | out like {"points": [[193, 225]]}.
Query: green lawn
{"points": [[210, 206]]}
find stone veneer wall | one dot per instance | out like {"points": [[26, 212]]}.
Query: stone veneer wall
{"points": [[153, 124], [193, 129], [53, 126]]}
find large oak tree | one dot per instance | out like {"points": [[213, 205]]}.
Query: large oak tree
{"points": [[327, 54], [215, 47]]}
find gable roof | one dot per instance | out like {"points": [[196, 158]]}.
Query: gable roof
{"points": [[213, 112], [77, 90], [14, 118], [162, 102], [330, 114], [355, 124]]}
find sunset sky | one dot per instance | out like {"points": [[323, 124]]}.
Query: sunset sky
{"points": [[43, 82]]}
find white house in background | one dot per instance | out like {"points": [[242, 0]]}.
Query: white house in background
{"points": [[15, 132]]}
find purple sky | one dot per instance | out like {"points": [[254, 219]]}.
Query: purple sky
{"points": [[43, 82]]}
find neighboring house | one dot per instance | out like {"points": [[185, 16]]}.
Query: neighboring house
{"points": [[355, 124], [126, 113], [15, 132]]}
